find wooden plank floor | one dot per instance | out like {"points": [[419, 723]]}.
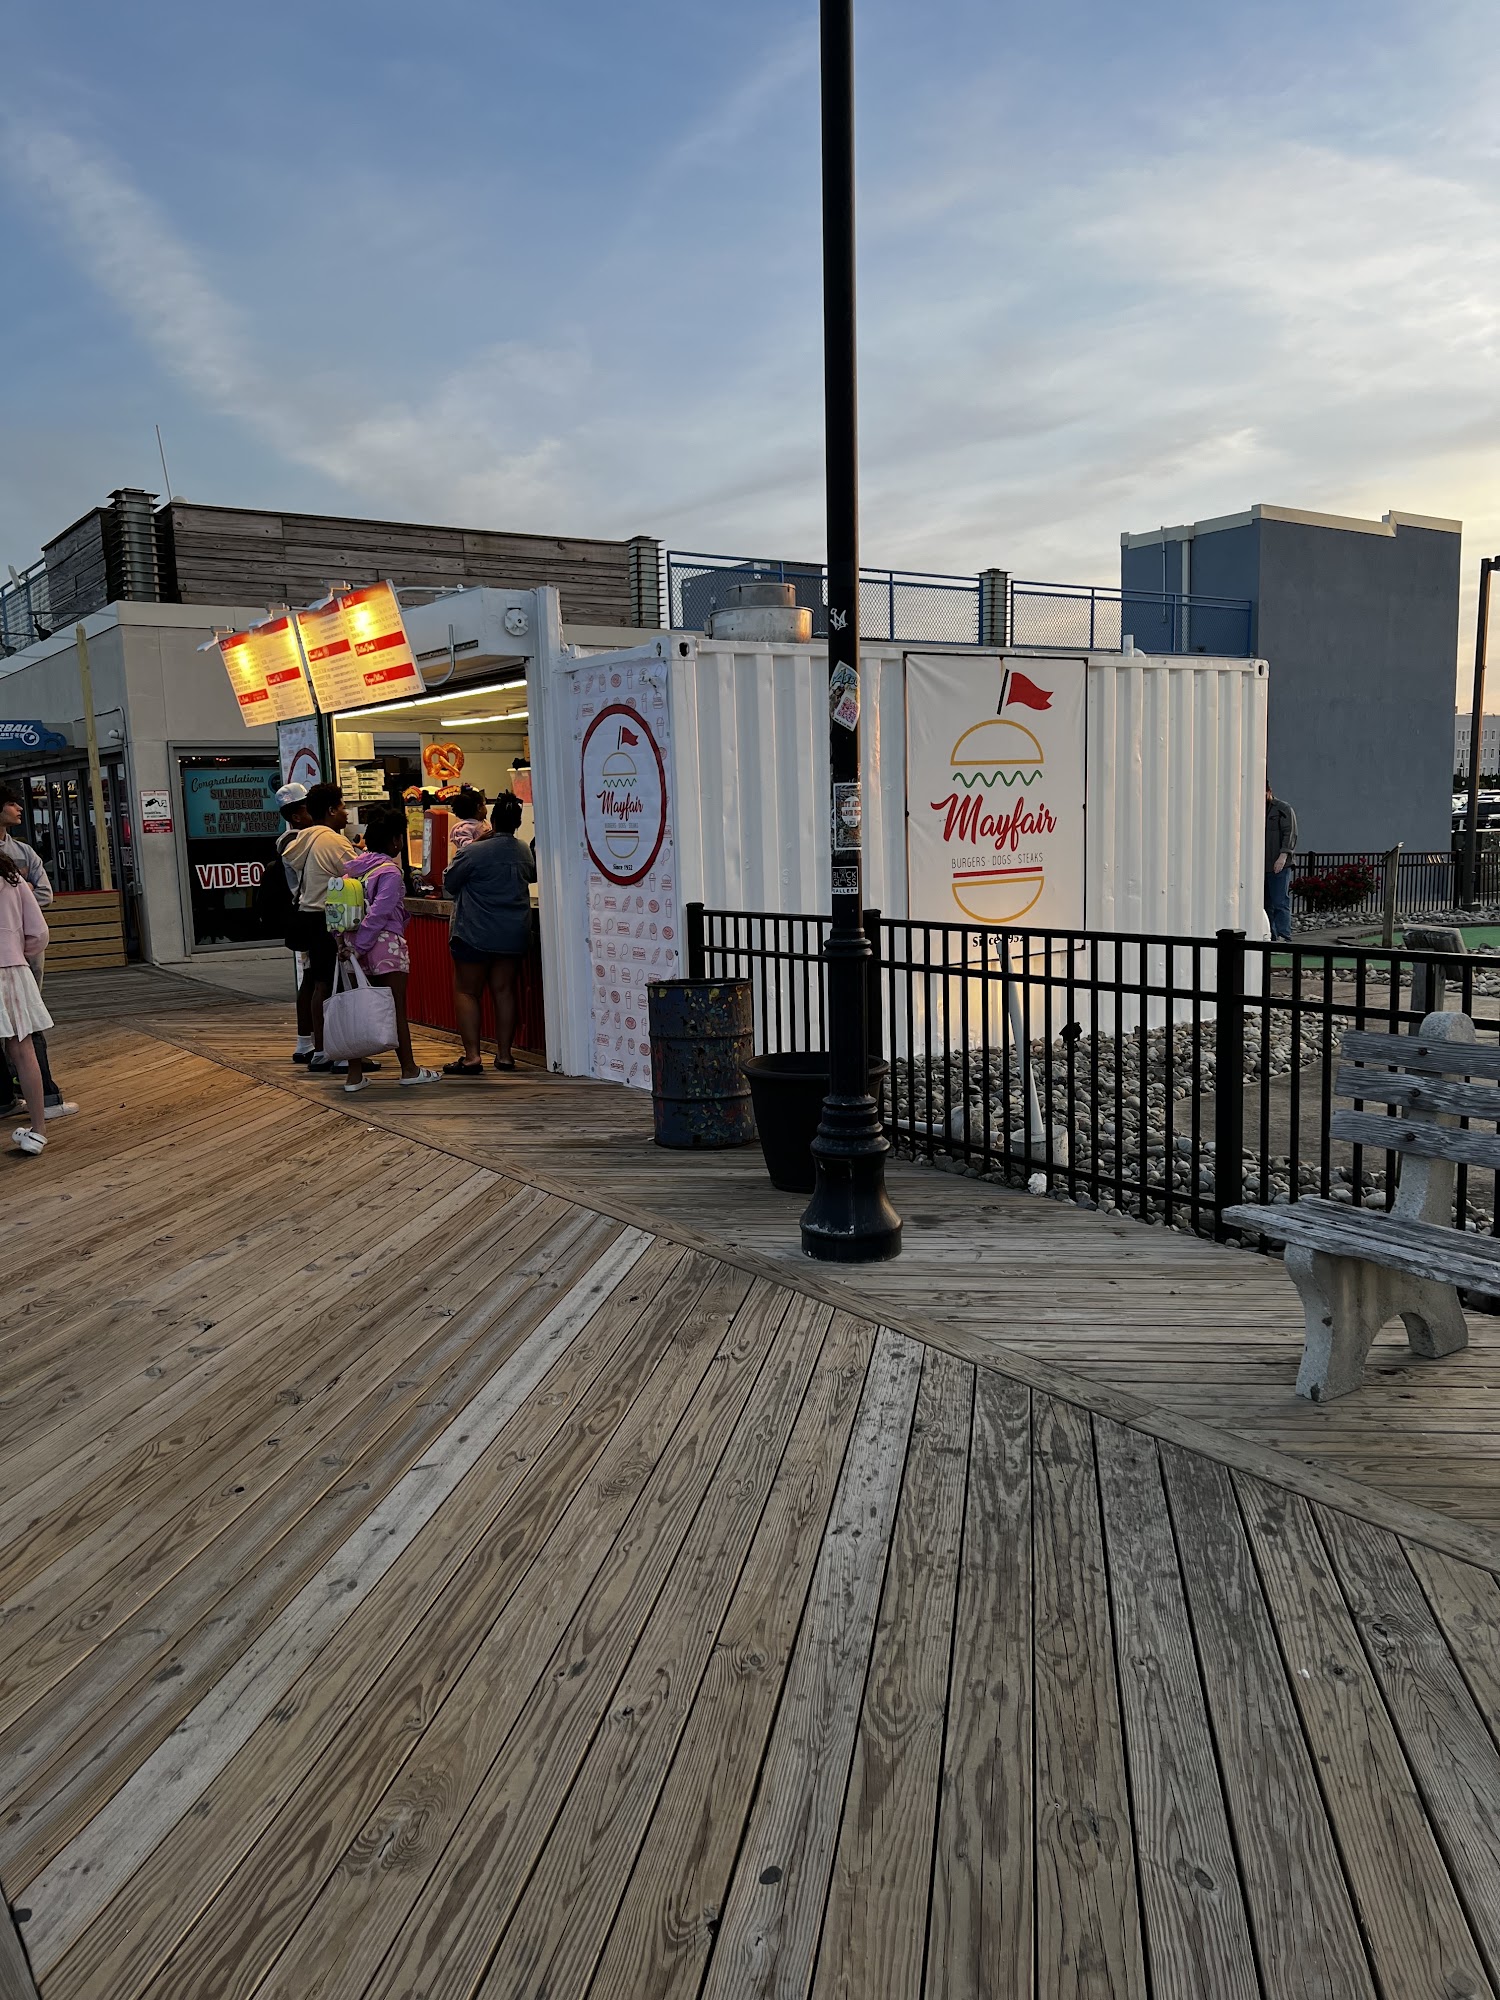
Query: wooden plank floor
{"points": [[415, 1581], [1178, 1330]]}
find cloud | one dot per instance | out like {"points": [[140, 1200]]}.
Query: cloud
{"points": [[473, 444], [1057, 342]]}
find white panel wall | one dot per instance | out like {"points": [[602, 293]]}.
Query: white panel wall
{"points": [[1176, 794], [750, 751], [1176, 775]]}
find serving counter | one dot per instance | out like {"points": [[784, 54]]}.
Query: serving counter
{"points": [[429, 993]]}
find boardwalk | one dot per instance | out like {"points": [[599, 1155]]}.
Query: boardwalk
{"points": [[419, 1581], [1196, 1341]]}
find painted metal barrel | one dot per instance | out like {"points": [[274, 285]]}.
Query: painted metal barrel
{"points": [[702, 1033]]}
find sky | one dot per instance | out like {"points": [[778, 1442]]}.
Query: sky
{"points": [[557, 268]]}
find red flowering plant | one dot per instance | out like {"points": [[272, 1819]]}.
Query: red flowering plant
{"points": [[1341, 888]]}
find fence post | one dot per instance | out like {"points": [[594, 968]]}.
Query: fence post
{"points": [[994, 600], [1388, 900], [874, 1002], [696, 956], [1229, 1075]]}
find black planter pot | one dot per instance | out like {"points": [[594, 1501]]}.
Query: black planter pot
{"points": [[787, 1092]]}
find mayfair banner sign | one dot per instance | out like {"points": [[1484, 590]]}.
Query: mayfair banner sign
{"points": [[995, 789]]}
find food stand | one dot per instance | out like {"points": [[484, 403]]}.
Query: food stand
{"points": [[411, 723]]}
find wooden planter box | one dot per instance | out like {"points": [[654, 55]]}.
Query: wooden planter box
{"points": [[88, 931]]}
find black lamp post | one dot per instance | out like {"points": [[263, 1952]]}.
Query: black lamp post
{"points": [[1476, 736], [849, 1219]]}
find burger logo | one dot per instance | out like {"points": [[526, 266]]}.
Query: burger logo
{"points": [[623, 782], [995, 818]]}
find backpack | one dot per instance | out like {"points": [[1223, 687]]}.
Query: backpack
{"points": [[344, 905], [274, 904]]}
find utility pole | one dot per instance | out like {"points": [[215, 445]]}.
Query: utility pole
{"points": [[849, 1219], [1476, 736], [96, 778]]}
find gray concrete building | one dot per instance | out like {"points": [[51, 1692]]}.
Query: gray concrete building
{"points": [[1358, 621]]}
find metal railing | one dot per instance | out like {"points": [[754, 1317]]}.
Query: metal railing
{"points": [[1424, 881], [992, 609], [25, 608], [1167, 1078], [893, 604], [1100, 620]]}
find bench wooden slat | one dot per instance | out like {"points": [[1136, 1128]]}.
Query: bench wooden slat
{"points": [[1385, 1086], [1426, 1058], [1484, 1246], [1421, 1249], [1421, 1141]]}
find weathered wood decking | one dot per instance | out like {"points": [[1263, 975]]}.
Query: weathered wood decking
{"points": [[414, 1580], [1180, 1333]]}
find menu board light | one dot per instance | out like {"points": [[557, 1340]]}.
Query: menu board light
{"points": [[357, 650], [265, 670]]}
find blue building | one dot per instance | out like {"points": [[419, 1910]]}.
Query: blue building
{"points": [[1358, 621]]}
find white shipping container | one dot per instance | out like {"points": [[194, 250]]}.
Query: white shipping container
{"points": [[1174, 806]]}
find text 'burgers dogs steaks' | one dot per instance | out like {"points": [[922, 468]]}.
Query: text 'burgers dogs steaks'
{"points": [[995, 785]]}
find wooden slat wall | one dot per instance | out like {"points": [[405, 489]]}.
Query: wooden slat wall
{"points": [[87, 929], [231, 555]]}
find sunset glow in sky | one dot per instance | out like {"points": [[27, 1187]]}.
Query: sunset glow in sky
{"points": [[557, 268]]}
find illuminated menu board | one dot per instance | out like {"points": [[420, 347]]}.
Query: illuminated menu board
{"points": [[357, 649], [265, 670]]}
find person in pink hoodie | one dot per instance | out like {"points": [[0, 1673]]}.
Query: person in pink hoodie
{"points": [[23, 936], [380, 941]]}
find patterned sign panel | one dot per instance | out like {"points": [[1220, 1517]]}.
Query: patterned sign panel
{"points": [[622, 748], [995, 783]]}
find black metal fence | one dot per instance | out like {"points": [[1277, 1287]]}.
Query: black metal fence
{"points": [[1355, 883], [1165, 1077]]}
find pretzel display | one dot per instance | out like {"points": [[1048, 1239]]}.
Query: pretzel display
{"points": [[443, 761]]}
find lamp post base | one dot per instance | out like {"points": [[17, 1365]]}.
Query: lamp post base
{"points": [[850, 1219]]}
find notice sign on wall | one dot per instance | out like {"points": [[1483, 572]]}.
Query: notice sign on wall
{"points": [[156, 812], [357, 649], [265, 670], [995, 789], [621, 734]]}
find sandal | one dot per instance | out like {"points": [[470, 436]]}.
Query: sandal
{"points": [[509, 1064], [422, 1076], [463, 1068]]}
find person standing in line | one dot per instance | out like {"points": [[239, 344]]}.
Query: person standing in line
{"points": [[29, 862], [292, 803], [380, 940], [1281, 845], [491, 933], [468, 822], [311, 859], [23, 937]]}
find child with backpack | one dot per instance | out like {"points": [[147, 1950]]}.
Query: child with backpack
{"points": [[367, 910]]}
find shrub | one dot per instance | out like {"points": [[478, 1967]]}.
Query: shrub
{"points": [[1341, 888]]}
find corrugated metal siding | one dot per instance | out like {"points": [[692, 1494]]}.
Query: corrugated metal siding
{"points": [[1176, 763], [1176, 807], [750, 756]]}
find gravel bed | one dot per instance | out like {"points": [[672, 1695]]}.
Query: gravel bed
{"points": [[950, 1108]]}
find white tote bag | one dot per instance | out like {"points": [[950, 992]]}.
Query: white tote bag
{"points": [[359, 1019]]}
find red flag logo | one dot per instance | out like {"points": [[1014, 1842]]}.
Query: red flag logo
{"points": [[1026, 692], [628, 736]]}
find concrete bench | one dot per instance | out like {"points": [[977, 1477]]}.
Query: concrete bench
{"points": [[1357, 1268]]}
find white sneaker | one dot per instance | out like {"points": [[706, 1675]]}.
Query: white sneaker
{"points": [[67, 1109], [28, 1140]]}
